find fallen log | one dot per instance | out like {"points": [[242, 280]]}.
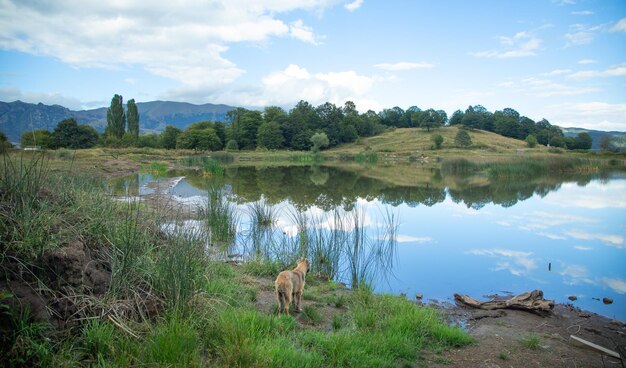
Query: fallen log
{"points": [[530, 301]]}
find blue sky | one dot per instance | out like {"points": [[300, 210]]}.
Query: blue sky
{"points": [[561, 60]]}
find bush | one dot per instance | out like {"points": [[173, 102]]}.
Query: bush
{"points": [[463, 139], [232, 145], [531, 140], [437, 140]]}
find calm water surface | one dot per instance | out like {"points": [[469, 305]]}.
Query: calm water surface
{"points": [[459, 234]]}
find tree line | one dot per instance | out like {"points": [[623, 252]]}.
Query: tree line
{"points": [[304, 127]]}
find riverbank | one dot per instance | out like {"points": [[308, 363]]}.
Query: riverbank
{"points": [[120, 288]]}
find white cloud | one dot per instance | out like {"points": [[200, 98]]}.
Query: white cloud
{"points": [[587, 61], [183, 40], [540, 87], [404, 65], [10, 94], [575, 274], [295, 83], [582, 12], [303, 33], [583, 248], [521, 44], [582, 34], [590, 115], [353, 5], [618, 285], [620, 26], [558, 72], [609, 239], [613, 71]]}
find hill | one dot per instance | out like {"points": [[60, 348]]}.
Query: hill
{"points": [[618, 139], [17, 117], [408, 141]]}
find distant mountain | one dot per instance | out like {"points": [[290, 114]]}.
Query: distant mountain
{"points": [[618, 139], [18, 117]]}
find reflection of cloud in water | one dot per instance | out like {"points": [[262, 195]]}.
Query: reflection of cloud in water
{"points": [[594, 195], [545, 220], [575, 274], [516, 262], [188, 227], [609, 239], [618, 285], [413, 239]]}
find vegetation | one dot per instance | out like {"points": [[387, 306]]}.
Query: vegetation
{"points": [[318, 141], [463, 139], [116, 118], [531, 140], [133, 119], [37, 138], [166, 302], [437, 140]]}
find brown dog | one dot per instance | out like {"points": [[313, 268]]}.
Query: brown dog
{"points": [[290, 285]]}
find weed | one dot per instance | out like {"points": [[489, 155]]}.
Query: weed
{"points": [[503, 356], [311, 314], [337, 322], [531, 341], [172, 343], [97, 338]]}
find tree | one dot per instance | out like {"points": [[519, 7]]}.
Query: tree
{"points": [[116, 118], [71, 135], [149, 140], [199, 139], [431, 119], [582, 141], [4, 143], [531, 141], [605, 142], [437, 140], [232, 145], [37, 138], [457, 118], [169, 136], [133, 118], [463, 138], [270, 136], [319, 140]]}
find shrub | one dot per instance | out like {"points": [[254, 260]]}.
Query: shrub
{"points": [[463, 139], [531, 140], [437, 140]]}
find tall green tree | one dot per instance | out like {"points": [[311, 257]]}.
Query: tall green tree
{"points": [[4, 143], [270, 136], [116, 118], [133, 118]]}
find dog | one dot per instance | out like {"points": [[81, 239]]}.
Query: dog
{"points": [[290, 285]]}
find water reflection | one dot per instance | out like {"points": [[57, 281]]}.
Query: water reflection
{"points": [[459, 232]]}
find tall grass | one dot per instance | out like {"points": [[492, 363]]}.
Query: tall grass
{"points": [[208, 164], [221, 217], [262, 214]]}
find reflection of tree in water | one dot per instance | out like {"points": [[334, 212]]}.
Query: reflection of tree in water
{"points": [[331, 187], [318, 176], [127, 186]]}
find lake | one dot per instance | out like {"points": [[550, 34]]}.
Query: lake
{"points": [[454, 232]]}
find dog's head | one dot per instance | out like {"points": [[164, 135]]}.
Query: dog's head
{"points": [[304, 261]]}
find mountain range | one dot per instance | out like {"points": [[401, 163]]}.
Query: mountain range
{"points": [[17, 117], [617, 139]]}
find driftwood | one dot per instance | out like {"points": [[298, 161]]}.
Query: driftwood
{"points": [[596, 347], [530, 301]]}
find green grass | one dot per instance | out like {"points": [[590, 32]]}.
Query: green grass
{"points": [[169, 305], [531, 341]]}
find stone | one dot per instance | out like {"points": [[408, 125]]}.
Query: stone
{"points": [[419, 296], [607, 300], [572, 297]]}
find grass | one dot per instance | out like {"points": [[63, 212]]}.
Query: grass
{"points": [[168, 304], [531, 341]]}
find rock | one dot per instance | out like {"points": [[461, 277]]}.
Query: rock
{"points": [[419, 296], [572, 297], [616, 322], [584, 315], [607, 300]]}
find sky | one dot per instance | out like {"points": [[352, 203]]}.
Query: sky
{"points": [[563, 60]]}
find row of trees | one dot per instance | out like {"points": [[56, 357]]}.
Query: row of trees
{"points": [[122, 126], [275, 128]]}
